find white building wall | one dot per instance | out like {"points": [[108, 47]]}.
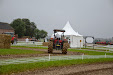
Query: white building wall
{"points": [[75, 41]]}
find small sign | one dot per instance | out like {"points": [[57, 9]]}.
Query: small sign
{"points": [[89, 40], [80, 40]]}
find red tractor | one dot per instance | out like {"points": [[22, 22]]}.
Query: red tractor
{"points": [[58, 43]]}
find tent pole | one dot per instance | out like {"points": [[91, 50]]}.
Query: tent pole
{"points": [[85, 42], [93, 42]]}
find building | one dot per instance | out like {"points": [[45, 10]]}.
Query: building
{"points": [[5, 28]]}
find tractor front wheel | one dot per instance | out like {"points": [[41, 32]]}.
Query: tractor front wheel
{"points": [[65, 47], [50, 47]]}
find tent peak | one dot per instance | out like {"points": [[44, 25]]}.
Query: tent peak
{"points": [[68, 23], [67, 26], [69, 30]]}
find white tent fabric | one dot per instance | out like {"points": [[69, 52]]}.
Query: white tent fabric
{"points": [[76, 40], [69, 30]]}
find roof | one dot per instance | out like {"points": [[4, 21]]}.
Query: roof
{"points": [[69, 30], [58, 30], [5, 26]]}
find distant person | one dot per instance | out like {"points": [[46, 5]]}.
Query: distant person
{"points": [[27, 40], [33, 42], [58, 36], [12, 40], [15, 40], [69, 41]]}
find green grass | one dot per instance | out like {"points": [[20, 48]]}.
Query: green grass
{"points": [[18, 51], [103, 47], [38, 47], [73, 50], [99, 48], [12, 68], [94, 49], [89, 52]]}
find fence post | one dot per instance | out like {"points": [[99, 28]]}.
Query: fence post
{"points": [[49, 57], [80, 44], [82, 56], [105, 55]]}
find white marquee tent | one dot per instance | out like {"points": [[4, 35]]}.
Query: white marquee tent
{"points": [[76, 40]]}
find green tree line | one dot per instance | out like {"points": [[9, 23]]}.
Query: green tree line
{"points": [[23, 27]]}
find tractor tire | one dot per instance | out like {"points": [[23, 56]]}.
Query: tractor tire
{"points": [[64, 49], [50, 47]]}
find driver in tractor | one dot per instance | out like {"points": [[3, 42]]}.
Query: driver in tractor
{"points": [[57, 38], [58, 41]]}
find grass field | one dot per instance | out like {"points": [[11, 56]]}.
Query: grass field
{"points": [[18, 51], [87, 52], [37, 47], [12, 68], [96, 49]]}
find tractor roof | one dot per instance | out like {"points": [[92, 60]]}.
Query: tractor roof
{"points": [[58, 30]]}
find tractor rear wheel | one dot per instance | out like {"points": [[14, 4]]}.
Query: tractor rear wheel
{"points": [[50, 47], [65, 47]]}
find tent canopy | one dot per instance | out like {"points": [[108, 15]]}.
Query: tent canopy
{"points": [[69, 30]]}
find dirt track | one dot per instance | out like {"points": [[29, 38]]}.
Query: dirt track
{"points": [[37, 55], [106, 71], [87, 69]]}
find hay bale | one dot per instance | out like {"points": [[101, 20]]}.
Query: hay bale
{"points": [[1, 45], [7, 46], [1, 38], [45, 43], [5, 41]]}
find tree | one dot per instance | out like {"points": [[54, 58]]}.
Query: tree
{"points": [[19, 27], [27, 26], [23, 27], [42, 33], [33, 28], [30, 27], [37, 36]]}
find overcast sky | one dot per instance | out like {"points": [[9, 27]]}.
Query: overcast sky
{"points": [[87, 17]]}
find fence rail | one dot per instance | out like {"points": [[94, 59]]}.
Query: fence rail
{"points": [[51, 58]]}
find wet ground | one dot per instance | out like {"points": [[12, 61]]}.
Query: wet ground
{"points": [[86, 69]]}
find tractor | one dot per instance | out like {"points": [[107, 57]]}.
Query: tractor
{"points": [[58, 43]]}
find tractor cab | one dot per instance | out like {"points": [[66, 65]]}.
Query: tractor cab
{"points": [[58, 39]]}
